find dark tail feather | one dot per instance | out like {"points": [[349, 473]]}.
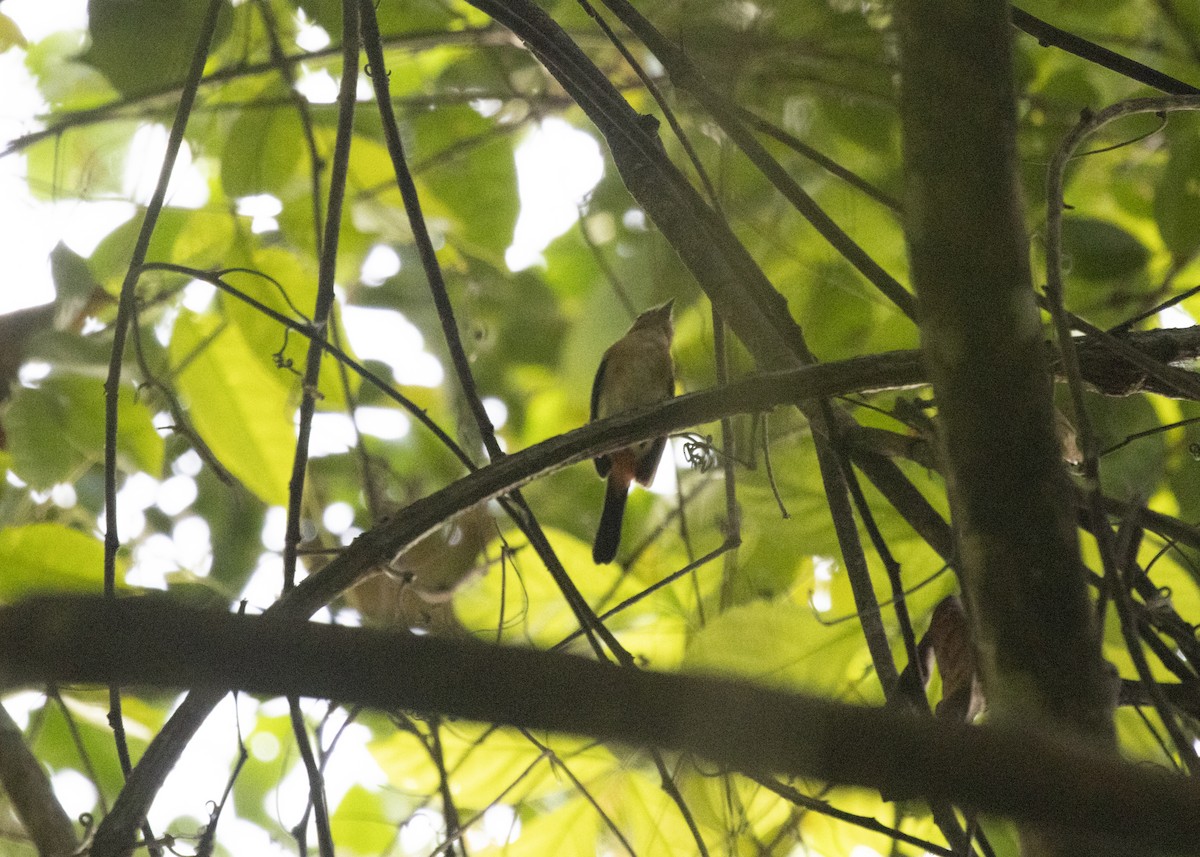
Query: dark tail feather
{"points": [[608, 537]]}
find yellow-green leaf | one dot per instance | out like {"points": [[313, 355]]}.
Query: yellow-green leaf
{"points": [[241, 410], [50, 558]]}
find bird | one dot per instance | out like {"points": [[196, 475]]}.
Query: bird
{"points": [[636, 371]]}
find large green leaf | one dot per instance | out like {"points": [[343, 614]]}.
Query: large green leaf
{"points": [[470, 177], [1177, 197], [291, 291], [569, 830], [142, 45], [241, 410], [262, 152], [57, 429], [50, 558], [359, 823], [1099, 250], [780, 644]]}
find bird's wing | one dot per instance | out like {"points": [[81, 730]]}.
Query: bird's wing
{"points": [[597, 385], [603, 464]]}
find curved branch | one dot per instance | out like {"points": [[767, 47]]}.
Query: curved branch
{"points": [[1043, 778]]}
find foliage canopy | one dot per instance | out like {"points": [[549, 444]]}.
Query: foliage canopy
{"points": [[218, 364]]}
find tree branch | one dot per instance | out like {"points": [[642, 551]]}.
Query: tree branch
{"points": [[1048, 780]]}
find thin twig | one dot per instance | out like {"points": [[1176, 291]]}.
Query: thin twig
{"points": [[684, 74], [733, 513], [303, 112], [1063, 323], [327, 268], [120, 329], [1129, 538], [1047, 34]]}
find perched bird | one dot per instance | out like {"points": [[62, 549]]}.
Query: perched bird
{"points": [[636, 371]]}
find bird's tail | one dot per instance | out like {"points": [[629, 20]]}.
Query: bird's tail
{"points": [[608, 537]]}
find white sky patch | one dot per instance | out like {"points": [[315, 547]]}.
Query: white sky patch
{"points": [[311, 37], [266, 582], [38, 19], [74, 791], [131, 521], [153, 560], [188, 187], [198, 295], [823, 567], [387, 336], [634, 218], [187, 464], [381, 263], [496, 410], [274, 528], [500, 825], [422, 831], [63, 495], [383, 423], [338, 517], [364, 90], [138, 492], [317, 87], [21, 705], [351, 762], [1175, 316], [175, 494], [33, 373], [193, 545], [557, 167], [30, 237], [262, 209], [332, 434], [203, 769], [486, 107]]}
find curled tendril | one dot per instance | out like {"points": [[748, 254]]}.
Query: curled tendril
{"points": [[700, 453]]}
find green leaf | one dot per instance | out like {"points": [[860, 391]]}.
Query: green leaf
{"points": [[481, 757], [291, 291], [57, 429], [828, 835], [78, 159], [68, 84], [392, 17], [474, 185], [1099, 250], [262, 152], [198, 239], [242, 410], [1177, 198], [143, 45], [10, 34], [50, 558], [63, 743], [647, 816], [541, 616], [568, 831], [779, 644], [74, 285], [359, 823]]}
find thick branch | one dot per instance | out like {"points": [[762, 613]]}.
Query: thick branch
{"points": [[33, 799], [982, 337], [1045, 780]]}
